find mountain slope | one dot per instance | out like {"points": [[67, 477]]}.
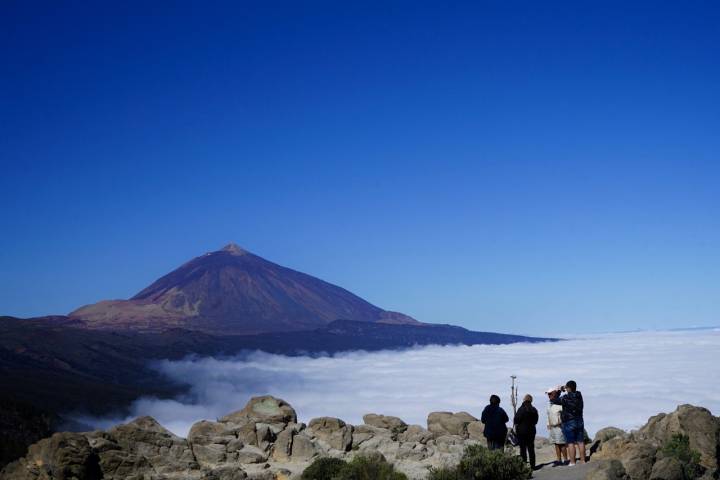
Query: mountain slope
{"points": [[232, 291]]}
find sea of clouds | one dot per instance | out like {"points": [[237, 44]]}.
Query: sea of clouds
{"points": [[625, 378]]}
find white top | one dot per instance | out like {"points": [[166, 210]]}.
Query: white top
{"points": [[553, 413]]}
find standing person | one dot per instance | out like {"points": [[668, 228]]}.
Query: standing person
{"points": [[554, 425], [494, 418], [573, 425], [525, 420]]}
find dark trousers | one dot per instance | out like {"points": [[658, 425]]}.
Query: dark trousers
{"points": [[527, 448], [496, 444]]}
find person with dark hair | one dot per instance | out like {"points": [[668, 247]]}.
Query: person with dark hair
{"points": [[494, 418], [525, 420], [573, 425]]}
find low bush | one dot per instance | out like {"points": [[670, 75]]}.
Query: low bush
{"points": [[678, 447], [323, 469], [479, 463], [360, 468], [365, 468]]}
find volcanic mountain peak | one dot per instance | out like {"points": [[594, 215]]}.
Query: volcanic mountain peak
{"points": [[232, 291], [234, 249]]}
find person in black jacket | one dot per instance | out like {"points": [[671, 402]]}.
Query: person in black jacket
{"points": [[573, 424], [494, 418], [525, 420]]}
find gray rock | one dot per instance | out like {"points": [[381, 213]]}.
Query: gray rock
{"points": [[226, 472], [245, 431], [209, 455], [282, 449], [415, 452], [475, 431], [234, 445], [394, 424], [303, 448], [606, 470], [62, 456], [265, 409], [702, 428], [636, 456], [667, 469], [448, 423], [363, 433], [265, 435], [417, 434], [605, 434], [204, 432], [148, 446], [333, 432], [251, 454]]}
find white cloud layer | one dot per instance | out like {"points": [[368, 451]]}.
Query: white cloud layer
{"points": [[625, 378]]}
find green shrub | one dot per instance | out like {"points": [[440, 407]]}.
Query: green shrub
{"points": [[678, 447], [364, 468], [323, 469], [479, 463], [361, 468]]}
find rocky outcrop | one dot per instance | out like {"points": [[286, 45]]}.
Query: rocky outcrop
{"points": [[394, 424], [62, 456], [641, 451], [606, 470], [331, 432], [264, 441], [448, 423], [702, 428]]}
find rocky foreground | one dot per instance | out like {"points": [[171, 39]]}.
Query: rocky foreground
{"points": [[264, 440]]}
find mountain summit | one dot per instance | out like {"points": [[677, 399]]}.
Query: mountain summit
{"points": [[232, 291]]}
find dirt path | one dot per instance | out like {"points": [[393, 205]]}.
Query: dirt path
{"points": [[548, 472]]}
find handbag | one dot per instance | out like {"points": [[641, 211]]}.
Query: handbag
{"points": [[512, 438]]}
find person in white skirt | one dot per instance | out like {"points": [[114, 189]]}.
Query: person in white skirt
{"points": [[555, 433]]}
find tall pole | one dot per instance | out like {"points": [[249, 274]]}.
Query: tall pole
{"points": [[513, 394]]}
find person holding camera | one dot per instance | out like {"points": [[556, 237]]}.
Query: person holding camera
{"points": [[573, 425]]}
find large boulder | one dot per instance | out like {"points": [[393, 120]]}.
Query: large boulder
{"points": [[64, 456], [701, 427], [606, 470], [212, 441], [145, 440], [637, 457], [667, 468], [335, 433], [282, 448], [394, 424], [416, 434], [265, 409], [605, 434], [251, 454], [225, 472], [205, 432], [448, 423], [475, 431], [364, 433], [303, 448]]}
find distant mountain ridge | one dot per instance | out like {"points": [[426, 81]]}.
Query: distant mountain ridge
{"points": [[232, 291]]}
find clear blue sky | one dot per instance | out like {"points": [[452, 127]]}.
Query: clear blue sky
{"points": [[512, 166]]}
